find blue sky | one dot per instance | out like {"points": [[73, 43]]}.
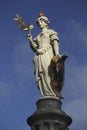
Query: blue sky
{"points": [[18, 91]]}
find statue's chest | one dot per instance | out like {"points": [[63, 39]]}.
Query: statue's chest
{"points": [[43, 38]]}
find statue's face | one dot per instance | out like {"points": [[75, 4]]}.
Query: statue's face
{"points": [[42, 23]]}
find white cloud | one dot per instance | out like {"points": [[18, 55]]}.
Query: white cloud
{"points": [[5, 89], [21, 72], [75, 91], [78, 31], [77, 109], [74, 41], [76, 79], [76, 67], [22, 57]]}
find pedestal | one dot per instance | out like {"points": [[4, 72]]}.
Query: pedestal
{"points": [[49, 115]]}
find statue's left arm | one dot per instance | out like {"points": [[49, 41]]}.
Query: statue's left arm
{"points": [[55, 42]]}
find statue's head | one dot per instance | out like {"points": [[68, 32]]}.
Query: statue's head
{"points": [[42, 17]]}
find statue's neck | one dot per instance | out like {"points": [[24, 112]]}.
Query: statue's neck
{"points": [[44, 29]]}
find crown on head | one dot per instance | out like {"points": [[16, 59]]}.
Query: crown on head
{"points": [[41, 14]]}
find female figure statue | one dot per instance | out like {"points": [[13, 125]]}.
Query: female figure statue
{"points": [[45, 46]]}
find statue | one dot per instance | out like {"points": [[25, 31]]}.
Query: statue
{"points": [[48, 63]]}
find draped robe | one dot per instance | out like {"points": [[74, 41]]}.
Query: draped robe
{"points": [[42, 60]]}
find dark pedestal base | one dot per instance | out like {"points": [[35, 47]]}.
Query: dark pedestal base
{"points": [[49, 115]]}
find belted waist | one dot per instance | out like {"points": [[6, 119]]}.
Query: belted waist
{"points": [[43, 49]]}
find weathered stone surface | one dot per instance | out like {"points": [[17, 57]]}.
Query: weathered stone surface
{"points": [[49, 115]]}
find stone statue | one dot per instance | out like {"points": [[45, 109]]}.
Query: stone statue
{"points": [[48, 63]]}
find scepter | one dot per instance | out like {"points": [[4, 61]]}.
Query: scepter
{"points": [[23, 26]]}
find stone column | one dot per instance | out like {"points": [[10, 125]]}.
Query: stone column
{"points": [[49, 115]]}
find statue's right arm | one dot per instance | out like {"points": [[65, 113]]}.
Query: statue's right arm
{"points": [[32, 43]]}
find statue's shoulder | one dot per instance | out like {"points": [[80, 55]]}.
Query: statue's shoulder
{"points": [[52, 32], [53, 35]]}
